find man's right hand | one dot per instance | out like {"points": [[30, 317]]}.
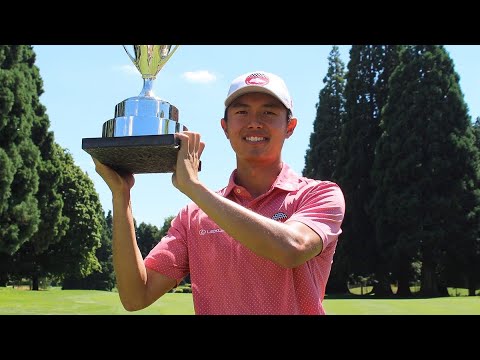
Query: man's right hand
{"points": [[118, 182], [185, 175]]}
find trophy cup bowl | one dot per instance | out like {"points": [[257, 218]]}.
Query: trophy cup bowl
{"points": [[140, 138]]}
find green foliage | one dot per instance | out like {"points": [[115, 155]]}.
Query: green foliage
{"points": [[147, 237], [166, 225], [20, 88], [426, 170], [75, 254], [476, 131], [368, 75], [321, 155], [54, 223], [27, 260], [184, 288], [104, 277]]}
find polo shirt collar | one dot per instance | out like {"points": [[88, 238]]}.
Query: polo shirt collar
{"points": [[287, 180]]}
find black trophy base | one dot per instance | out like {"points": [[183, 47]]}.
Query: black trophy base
{"points": [[135, 154]]}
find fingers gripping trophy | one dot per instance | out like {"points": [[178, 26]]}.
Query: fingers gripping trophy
{"points": [[140, 138]]}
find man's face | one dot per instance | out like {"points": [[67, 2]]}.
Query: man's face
{"points": [[257, 127]]}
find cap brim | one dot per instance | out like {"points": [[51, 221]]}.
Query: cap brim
{"points": [[251, 89]]}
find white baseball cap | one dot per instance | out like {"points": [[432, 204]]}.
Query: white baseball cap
{"points": [[260, 81]]}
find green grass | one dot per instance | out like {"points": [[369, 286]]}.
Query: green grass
{"points": [[90, 302], [414, 289], [85, 302], [434, 306]]}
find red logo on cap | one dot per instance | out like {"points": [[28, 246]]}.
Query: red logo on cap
{"points": [[258, 79]]}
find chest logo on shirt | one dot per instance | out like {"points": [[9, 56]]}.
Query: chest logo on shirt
{"points": [[280, 216], [207, 232]]}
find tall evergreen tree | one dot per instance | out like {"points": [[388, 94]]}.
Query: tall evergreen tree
{"points": [[461, 262], [425, 171], [476, 268], [321, 155], [109, 225], [54, 223], [476, 131], [369, 70], [320, 158], [20, 87]]}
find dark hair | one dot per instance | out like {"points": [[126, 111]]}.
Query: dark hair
{"points": [[289, 114]]}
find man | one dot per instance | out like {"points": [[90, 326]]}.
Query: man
{"points": [[264, 244]]}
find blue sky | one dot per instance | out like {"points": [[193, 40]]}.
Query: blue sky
{"points": [[83, 83]]}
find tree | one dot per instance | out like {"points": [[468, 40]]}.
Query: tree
{"points": [[425, 171], [75, 254], [103, 278], [54, 223], [147, 237], [476, 131], [166, 225], [321, 155], [320, 158], [369, 70], [19, 157]]}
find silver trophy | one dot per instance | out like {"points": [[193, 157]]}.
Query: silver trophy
{"points": [[140, 137]]}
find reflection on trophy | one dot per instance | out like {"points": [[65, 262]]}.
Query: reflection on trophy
{"points": [[140, 138]]}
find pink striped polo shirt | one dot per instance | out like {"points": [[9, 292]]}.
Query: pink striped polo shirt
{"points": [[228, 278]]}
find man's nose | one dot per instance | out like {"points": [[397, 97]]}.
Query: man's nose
{"points": [[255, 120]]}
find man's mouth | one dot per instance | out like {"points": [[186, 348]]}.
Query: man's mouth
{"points": [[255, 138]]}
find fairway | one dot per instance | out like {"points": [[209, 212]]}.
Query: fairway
{"points": [[434, 306], [84, 302], [91, 302]]}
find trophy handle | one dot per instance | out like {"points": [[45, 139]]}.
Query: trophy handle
{"points": [[130, 56], [164, 61], [169, 55]]}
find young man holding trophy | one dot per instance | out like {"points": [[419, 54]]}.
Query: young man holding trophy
{"points": [[262, 245]]}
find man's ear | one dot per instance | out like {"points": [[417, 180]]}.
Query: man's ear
{"points": [[292, 124], [223, 123]]}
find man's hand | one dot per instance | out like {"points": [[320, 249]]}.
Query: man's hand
{"points": [[116, 181], [188, 161]]}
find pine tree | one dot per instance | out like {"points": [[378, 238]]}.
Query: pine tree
{"points": [[476, 131], [54, 223], [19, 157], [321, 155], [369, 70], [425, 171]]}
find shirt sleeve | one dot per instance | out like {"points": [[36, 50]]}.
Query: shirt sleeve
{"points": [[321, 206], [170, 256]]}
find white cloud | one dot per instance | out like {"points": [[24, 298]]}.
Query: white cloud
{"points": [[200, 76]]}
